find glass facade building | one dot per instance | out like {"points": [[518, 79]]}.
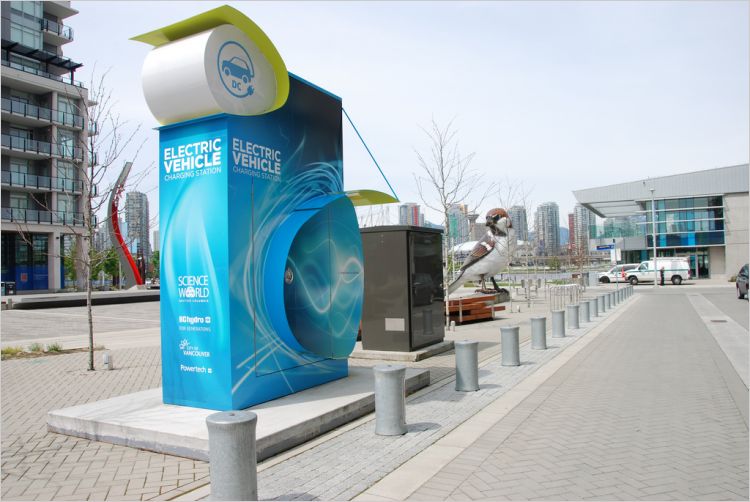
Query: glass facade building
{"points": [[701, 215], [44, 146]]}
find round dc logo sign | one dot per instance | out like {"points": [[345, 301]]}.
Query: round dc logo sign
{"points": [[235, 69]]}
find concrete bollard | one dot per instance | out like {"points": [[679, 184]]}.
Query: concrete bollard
{"points": [[509, 346], [539, 333], [107, 361], [594, 308], [558, 323], [572, 316], [453, 325], [467, 366], [232, 455], [390, 401], [584, 311]]}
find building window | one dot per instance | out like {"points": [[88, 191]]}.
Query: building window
{"points": [[26, 63], [19, 165], [17, 132], [19, 200], [67, 111], [66, 203], [29, 37], [39, 244], [66, 170], [67, 141], [33, 9]]}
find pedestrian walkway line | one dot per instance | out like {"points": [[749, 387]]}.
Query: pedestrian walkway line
{"points": [[405, 480], [731, 337]]}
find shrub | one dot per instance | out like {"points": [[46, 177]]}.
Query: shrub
{"points": [[11, 351], [54, 347], [36, 347]]}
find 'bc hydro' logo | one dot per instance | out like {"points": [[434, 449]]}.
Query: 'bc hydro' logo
{"points": [[235, 69]]}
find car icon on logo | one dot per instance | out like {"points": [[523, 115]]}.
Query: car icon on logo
{"points": [[237, 68]]}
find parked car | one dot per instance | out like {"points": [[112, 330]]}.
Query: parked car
{"points": [[741, 282], [676, 270], [615, 274]]}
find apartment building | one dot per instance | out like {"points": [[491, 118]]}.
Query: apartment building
{"points": [[45, 130]]}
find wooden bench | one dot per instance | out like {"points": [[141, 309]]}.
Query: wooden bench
{"points": [[473, 308]]}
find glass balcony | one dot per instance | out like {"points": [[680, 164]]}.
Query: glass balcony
{"points": [[26, 109], [15, 179], [34, 71], [57, 28], [41, 147], [41, 113], [69, 119], [26, 145], [17, 215]]}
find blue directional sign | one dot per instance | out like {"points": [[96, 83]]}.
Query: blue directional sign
{"points": [[605, 247]]}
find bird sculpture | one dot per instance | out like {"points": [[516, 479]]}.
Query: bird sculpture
{"points": [[491, 253]]}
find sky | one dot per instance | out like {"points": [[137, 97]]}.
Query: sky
{"points": [[556, 96]]}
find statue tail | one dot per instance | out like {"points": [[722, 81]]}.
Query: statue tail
{"points": [[455, 284]]}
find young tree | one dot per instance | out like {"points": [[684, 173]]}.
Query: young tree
{"points": [[445, 179], [105, 148], [106, 151], [513, 192]]}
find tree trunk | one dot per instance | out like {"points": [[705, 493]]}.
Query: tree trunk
{"points": [[445, 270]]}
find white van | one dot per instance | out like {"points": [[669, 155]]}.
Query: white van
{"points": [[618, 273], [676, 270]]}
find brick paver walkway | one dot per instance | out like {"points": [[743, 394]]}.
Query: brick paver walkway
{"points": [[37, 465], [641, 413]]}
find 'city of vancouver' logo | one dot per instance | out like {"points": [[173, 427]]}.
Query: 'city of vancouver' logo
{"points": [[235, 69]]}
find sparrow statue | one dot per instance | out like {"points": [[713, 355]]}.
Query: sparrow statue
{"points": [[490, 254]]}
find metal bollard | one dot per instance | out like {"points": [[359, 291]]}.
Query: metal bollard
{"points": [[594, 308], [467, 366], [607, 301], [573, 316], [390, 401], [614, 299], [539, 333], [509, 346], [558, 323], [107, 361], [584, 311], [601, 302], [232, 456]]}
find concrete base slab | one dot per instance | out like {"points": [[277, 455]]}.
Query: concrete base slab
{"points": [[388, 355], [141, 420], [55, 300]]}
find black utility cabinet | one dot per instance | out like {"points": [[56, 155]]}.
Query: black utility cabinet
{"points": [[403, 307]]}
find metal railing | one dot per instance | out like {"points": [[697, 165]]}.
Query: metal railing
{"points": [[564, 295], [26, 180], [26, 109], [58, 29], [41, 113], [35, 71], [17, 215], [41, 147]]}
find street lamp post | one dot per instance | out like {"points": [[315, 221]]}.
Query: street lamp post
{"points": [[653, 222]]}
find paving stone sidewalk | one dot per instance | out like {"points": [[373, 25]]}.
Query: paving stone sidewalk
{"points": [[38, 465], [346, 465], [642, 413]]}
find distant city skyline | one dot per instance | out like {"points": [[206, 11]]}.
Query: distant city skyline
{"points": [[583, 93]]}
